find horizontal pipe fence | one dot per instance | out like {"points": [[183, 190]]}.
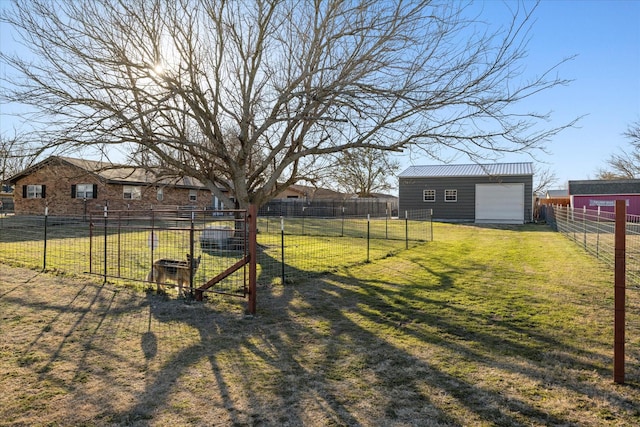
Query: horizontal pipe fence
{"points": [[124, 244]]}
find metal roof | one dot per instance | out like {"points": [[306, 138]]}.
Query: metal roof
{"points": [[602, 187], [475, 169]]}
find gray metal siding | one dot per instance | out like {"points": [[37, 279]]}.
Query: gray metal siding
{"points": [[411, 189]]}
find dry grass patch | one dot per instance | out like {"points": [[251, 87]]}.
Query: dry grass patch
{"points": [[480, 327]]}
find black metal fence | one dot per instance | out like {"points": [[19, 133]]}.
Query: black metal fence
{"points": [[359, 207], [124, 244]]}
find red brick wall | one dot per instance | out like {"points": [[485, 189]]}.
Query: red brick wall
{"points": [[58, 179]]}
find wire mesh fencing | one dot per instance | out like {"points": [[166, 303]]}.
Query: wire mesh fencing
{"points": [[127, 245], [298, 247], [50, 243], [594, 231], [158, 246]]}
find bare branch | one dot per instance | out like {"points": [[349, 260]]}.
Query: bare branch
{"points": [[543, 179], [626, 164], [249, 95]]}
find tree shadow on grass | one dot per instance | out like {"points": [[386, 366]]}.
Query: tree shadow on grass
{"points": [[335, 350], [330, 328], [495, 343]]}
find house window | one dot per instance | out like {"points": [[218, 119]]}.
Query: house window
{"points": [[131, 192], [193, 195], [33, 191], [450, 195], [160, 194], [429, 196], [83, 191]]}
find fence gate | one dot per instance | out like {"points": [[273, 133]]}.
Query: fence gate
{"points": [[125, 245]]}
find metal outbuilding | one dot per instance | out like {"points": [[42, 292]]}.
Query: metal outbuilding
{"points": [[481, 193], [602, 194]]}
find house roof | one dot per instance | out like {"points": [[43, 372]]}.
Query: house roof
{"points": [[557, 193], [468, 170], [595, 187], [383, 196], [113, 173], [315, 192]]}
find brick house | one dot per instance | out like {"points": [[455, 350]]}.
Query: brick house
{"points": [[69, 186]]}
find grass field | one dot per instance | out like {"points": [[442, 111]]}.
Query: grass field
{"points": [[483, 326], [312, 246]]}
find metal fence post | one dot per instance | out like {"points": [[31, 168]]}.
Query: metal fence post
{"points": [[431, 222], [44, 257], [584, 227], [191, 252], [573, 223], [90, 243], [152, 242], [119, 243], [619, 291], [253, 258], [105, 244], [386, 224], [282, 246], [598, 234], [406, 229], [368, 235]]}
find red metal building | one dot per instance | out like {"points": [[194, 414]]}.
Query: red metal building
{"points": [[594, 194]]}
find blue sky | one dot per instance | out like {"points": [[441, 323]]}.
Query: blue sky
{"points": [[605, 36]]}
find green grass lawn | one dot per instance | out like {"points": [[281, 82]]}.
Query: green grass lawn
{"points": [[483, 326], [312, 246]]}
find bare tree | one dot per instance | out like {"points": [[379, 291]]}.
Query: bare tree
{"points": [[626, 164], [363, 171], [633, 133], [14, 157], [172, 82], [543, 179]]}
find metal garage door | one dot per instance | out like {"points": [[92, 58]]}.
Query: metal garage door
{"points": [[500, 203]]}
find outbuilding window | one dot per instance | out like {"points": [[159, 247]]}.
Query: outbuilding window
{"points": [[193, 195], [160, 194], [450, 195], [429, 196]]}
